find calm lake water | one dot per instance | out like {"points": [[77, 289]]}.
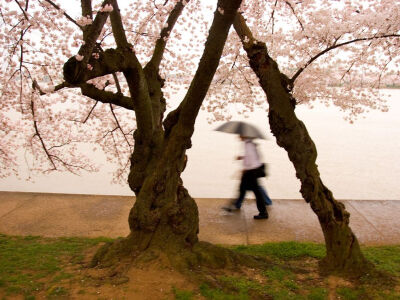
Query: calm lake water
{"points": [[356, 161]]}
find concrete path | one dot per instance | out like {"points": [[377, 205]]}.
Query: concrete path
{"points": [[374, 222]]}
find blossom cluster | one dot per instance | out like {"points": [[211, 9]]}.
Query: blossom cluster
{"points": [[337, 52], [107, 8], [84, 21]]}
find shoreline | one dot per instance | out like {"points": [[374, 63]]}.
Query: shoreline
{"points": [[202, 198]]}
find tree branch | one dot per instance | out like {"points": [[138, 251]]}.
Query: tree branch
{"points": [[90, 112], [243, 31], [294, 13], [117, 26], [223, 18], [23, 11], [272, 19], [69, 167], [165, 33], [139, 91], [296, 75], [86, 6], [248, 42], [109, 61], [119, 126], [93, 33], [119, 90], [102, 96], [37, 133], [64, 13], [58, 87]]}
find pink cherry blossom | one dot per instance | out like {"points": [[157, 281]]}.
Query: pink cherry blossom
{"points": [[337, 52], [107, 8]]}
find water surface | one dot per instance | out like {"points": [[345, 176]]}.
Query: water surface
{"points": [[356, 161]]}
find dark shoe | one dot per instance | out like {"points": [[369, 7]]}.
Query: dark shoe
{"points": [[230, 208], [261, 216]]}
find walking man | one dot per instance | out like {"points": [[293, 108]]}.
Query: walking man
{"points": [[249, 182]]}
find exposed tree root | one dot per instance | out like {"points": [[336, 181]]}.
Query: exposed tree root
{"points": [[120, 256]]}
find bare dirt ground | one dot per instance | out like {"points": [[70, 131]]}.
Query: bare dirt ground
{"points": [[152, 282]]}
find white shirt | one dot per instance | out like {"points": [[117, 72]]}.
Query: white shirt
{"points": [[250, 159]]}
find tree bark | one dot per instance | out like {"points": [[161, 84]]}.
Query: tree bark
{"points": [[343, 251], [165, 217]]}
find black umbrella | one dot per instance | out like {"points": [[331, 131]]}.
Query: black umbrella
{"points": [[241, 128]]}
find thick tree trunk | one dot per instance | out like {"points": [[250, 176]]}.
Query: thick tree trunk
{"points": [[164, 219], [164, 215], [343, 251]]}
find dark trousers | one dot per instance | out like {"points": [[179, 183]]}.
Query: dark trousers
{"points": [[249, 183]]}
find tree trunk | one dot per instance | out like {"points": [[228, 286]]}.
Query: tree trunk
{"points": [[164, 219], [343, 251], [164, 214]]}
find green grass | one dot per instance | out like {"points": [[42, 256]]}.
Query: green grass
{"points": [[219, 294], [284, 250], [30, 266], [182, 295], [288, 278], [278, 284], [26, 261], [318, 293], [277, 273], [349, 293], [386, 258]]}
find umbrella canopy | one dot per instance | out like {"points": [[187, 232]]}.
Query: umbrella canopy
{"points": [[241, 128]]}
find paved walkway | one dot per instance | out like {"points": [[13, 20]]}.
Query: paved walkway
{"points": [[374, 222]]}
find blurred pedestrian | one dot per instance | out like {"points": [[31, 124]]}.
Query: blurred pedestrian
{"points": [[253, 168]]}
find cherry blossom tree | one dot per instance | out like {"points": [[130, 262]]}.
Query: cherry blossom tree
{"points": [[368, 34], [65, 76], [104, 77]]}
